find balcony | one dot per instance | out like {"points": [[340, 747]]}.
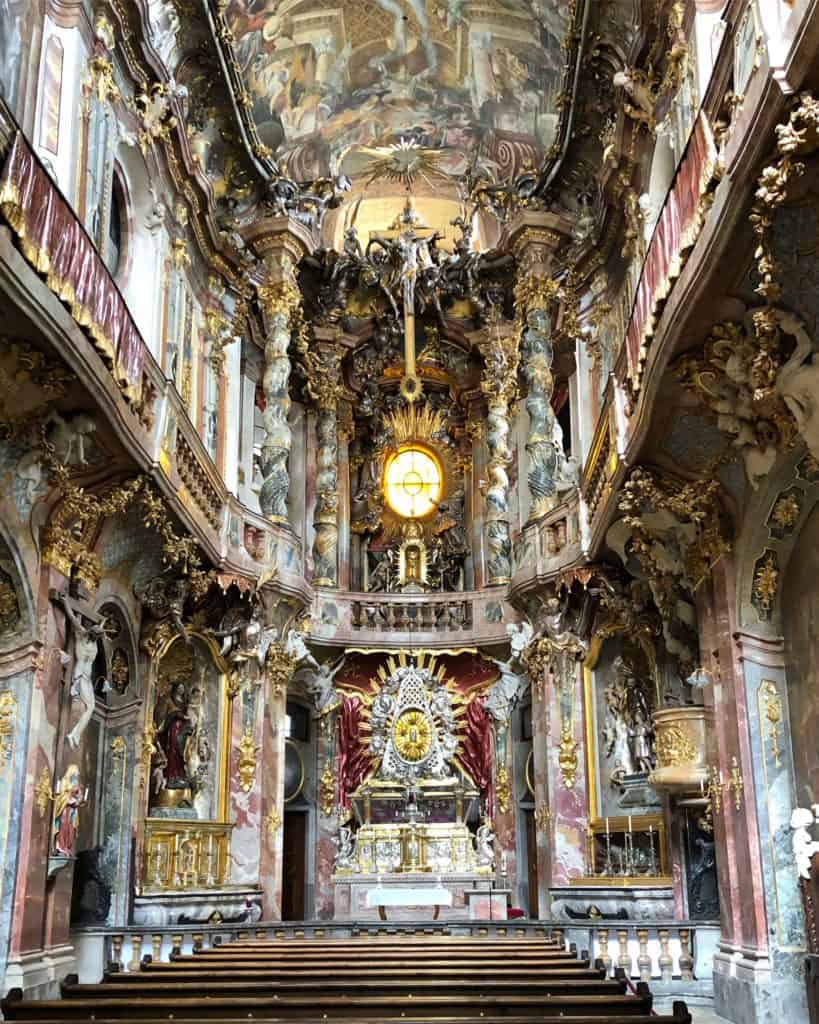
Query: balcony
{"points": [[395, 620]]}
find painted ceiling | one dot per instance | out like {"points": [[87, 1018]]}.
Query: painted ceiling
{"points": [[329, 84]]}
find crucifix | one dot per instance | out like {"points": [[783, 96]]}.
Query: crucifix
{"points": [[410, 239], [87, 629]]}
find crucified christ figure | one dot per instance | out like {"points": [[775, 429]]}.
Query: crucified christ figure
{"points": [[86, 646]]}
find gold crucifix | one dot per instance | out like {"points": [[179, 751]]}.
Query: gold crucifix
{"points": [[410, 235]]}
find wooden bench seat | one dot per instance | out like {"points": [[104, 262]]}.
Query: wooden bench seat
{"points": [[340, 1007], [250, 969], [680, 1016], [140, 988]]}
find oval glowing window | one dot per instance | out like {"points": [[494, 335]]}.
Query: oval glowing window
{"points": [[412, 483]]}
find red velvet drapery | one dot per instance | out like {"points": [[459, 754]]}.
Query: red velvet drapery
{"points": [[353, 759], [676, 231], [55, 243], [476, 748]]}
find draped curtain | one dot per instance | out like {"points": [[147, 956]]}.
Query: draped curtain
{"points": [[676, 231], [353, 759], [55, 243], [476, 748]]}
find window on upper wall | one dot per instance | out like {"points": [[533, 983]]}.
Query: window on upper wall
{"points": [[114, 234]]}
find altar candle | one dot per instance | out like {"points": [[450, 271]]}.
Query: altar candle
{"points": [[702, 787], [607, 826], [629, 824]]}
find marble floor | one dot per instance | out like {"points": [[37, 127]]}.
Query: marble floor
{"points": [[704, 1015]]}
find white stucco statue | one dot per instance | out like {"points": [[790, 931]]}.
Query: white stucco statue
{"points": [[484, 838], [804, 847]]}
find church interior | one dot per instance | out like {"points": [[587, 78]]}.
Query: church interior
{"points": [[409, 511]]}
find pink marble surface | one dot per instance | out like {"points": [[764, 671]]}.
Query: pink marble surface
{"points": [[244, 808], [569, 807], [736, 831]]}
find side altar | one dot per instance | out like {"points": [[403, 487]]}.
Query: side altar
{"points": [[412, 845]]}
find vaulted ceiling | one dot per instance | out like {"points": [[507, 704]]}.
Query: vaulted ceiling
{"points": [[322, 85]]}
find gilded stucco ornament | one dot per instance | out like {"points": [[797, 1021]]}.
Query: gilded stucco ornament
{"points": [[278, 668], [248, 755], [153, 107], [272, 824], [327, 789], [42, 791], [567, 757], [765, 586], [676, 532], [503, 790]]}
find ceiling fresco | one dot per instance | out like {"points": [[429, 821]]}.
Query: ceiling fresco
{"points": [[477, 82]]}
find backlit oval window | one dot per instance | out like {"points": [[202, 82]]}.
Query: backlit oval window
{"points": [[412, 483]]}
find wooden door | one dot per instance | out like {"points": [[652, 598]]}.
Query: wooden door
{"points": [[531, 861], [293, 881]]}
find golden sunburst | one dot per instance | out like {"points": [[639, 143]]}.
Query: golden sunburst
{"points": [[402, 163], [412, 735]]}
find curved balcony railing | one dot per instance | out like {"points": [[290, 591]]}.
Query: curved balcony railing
{"points": [[395, 619]]}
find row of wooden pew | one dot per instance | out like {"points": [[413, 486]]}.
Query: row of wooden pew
{"points": [[398, 979]]}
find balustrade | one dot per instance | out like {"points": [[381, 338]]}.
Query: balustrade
{"points": [[439, 613]]}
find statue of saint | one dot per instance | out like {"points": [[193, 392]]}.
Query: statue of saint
{"points": [[172, 738], [69, 798]]}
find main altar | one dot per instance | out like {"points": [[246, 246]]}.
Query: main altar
{"points": [[412, 844]]}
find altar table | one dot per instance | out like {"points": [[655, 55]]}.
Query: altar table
{"points": [[423, 896]]}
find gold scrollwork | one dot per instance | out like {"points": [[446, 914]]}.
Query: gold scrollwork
{"points": [[42, 791], [771, 705], [248, 753], [272, 823], [503, 790], [766, 583], [567, 756], [8, 724], [327, 789]]}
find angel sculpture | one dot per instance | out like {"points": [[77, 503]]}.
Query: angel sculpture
{"points": [[484, 838]]}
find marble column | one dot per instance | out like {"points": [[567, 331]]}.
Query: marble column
{"points": [[500, 351], [279, 299], [323, 366], [536, 357], [280, 243]]}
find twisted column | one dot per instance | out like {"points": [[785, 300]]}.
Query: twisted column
{"points": [[538, 354], [279, 300], [323, 367], [499, 383]]}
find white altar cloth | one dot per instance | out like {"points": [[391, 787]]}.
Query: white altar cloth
{"points": [[398, 896]]}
